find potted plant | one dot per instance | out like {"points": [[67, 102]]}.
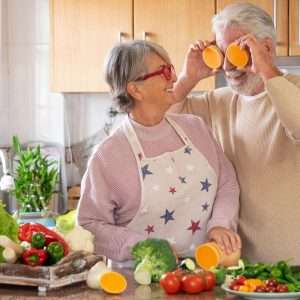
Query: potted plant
{"points": [[35, 180]]}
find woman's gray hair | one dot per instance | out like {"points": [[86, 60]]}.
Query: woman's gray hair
{"points": [[249, 17], [125, 63]]}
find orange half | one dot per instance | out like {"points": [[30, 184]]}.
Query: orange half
{"points": [[207, 256], [212, 57], [113, 282], [237, 56]]}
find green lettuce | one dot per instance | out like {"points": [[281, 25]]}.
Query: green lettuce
{"points": [[8, 227]]}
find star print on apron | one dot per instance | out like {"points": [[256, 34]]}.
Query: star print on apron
{"points": [[177, 193]]}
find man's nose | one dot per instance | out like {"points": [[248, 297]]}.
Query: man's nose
{"points": [[174, 76], [227, 66]]}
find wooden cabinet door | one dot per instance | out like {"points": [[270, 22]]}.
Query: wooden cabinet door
{"points": [[175, 24], [82, 32], [294, 22], [278, 9]]}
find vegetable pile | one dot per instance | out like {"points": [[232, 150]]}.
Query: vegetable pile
{"points": [[261, 277], [8, 229], [43, 246], [152, 258]]}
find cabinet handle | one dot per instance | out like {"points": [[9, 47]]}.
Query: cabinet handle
{"points": [[298, 22], [275, 13], [145, 34], [121, 34]]}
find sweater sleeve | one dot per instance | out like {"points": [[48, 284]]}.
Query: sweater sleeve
{"points": [[96, 213], [285, 96], [226, 206]]}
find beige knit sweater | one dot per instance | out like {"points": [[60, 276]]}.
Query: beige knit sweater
{"points": [[261, 137]]}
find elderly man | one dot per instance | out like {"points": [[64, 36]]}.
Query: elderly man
{"points": [[257, 122]]}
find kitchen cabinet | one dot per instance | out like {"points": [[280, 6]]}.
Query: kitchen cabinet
{"points": [[279, 10], [175, 25], [83, 31], [294, 23]]}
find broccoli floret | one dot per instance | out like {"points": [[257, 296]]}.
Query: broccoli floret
{"points": [[156, 254]]}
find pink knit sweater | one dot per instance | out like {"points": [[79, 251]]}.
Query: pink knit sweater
{"points": [[111, 189]]}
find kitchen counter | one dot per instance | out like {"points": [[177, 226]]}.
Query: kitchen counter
{"points": [[82, 292]]}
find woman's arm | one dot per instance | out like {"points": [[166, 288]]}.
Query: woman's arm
{"points": [[97, 213]]}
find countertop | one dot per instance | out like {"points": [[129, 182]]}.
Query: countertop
{"points": [[80, 291]]}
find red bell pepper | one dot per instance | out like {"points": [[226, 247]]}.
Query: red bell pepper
{"points": [[34, 257], [27, 230]]}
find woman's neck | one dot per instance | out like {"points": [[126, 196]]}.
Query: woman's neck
{"points": [[147, 118]]}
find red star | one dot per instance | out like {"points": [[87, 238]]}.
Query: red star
{"points": [[172, 190], [150, 228], [194, 227]]}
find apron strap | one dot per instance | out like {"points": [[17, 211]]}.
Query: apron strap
{"points": [[133, 140], [179, 130]]}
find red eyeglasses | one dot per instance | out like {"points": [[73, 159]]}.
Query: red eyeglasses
{"points": [[165, 70]]}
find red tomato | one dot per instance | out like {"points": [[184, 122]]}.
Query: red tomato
{"points": [[193, 283], [179, 273], [170, 283], [210, 280]]}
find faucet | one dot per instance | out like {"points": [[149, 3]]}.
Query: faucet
{"points": [[7, 182]]}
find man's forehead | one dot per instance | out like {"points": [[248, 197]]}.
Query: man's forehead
{"points": [[230, 34]]}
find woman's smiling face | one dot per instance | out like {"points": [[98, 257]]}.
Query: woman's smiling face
{"points": [[157, 90]]}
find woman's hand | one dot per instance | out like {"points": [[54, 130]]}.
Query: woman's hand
{"points": [[262, 56], [227, 240]]}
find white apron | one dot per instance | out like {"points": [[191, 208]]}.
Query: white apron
{"points": [[178, 190]]}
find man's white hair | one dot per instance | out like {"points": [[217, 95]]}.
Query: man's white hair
{"points": [[248, 17]]}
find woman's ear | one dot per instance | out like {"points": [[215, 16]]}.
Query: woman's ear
{"points": [[269, 44], [134, 91]]}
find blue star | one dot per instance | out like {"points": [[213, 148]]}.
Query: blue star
{"points": [[182, 179], [188, 150], [205, 206], [145, 171], [168, 216], [205, 185]]}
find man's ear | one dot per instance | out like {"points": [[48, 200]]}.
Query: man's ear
{"points": [[134, 91]]}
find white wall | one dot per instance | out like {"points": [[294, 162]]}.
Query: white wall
{"points": [[30, 110], [27, 107]]}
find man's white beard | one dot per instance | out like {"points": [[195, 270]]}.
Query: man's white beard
{"points": [[251, 86]]}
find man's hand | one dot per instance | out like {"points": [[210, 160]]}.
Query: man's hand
{"points": [[226, 239], [262, 56]]}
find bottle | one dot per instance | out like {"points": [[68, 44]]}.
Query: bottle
{"points": [[210, 255]]}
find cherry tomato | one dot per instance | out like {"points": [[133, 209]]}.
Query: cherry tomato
{"points": [[235, 287], [170, 283], [240, 280], [281, 288], [193, 283], [271, 282], [260, 289], [271, 289], [210, 280]]}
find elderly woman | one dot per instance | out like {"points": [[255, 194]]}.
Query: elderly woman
{"points": [[158, 175]]}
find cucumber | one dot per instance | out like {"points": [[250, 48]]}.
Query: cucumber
{"points": [[188, 264]]}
